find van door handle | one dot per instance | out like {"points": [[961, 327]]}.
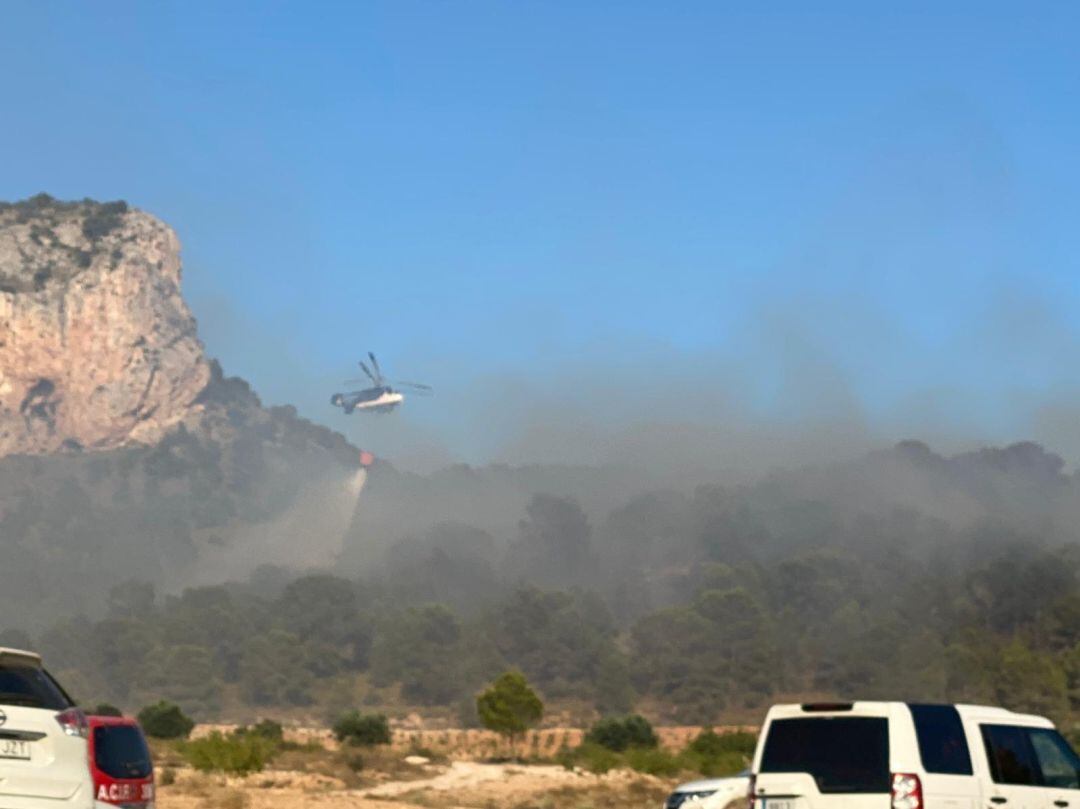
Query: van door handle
{"points": [[998, 799], [1061, 803]]}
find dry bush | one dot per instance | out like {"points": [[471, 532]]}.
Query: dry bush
{"points": [[226, 798], [355, 769], [634, 794], [189, 782], [165, 753]]}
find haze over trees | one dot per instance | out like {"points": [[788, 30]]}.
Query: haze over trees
{"points": [[903, 574]]}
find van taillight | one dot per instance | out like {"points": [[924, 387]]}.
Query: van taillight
{"points": [[73, 721], [906, 791], [750, 791]]}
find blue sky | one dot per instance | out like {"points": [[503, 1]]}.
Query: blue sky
{"points": [[812, 213]]}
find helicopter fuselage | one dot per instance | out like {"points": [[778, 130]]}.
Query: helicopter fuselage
{"points": [[385, 402], [379, 400]]}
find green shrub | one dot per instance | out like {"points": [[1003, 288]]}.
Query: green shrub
{"points": [[165, 720], [235, 754], [265, 729], [622, 733], [653, 760], [713, 766], [362, 729], [716, 754], [103, 219], [589, 756], [710, 743]]}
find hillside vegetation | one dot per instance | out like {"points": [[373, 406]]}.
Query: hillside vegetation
{"points": [[904, 574]]}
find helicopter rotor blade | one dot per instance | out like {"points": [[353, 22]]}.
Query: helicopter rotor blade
{"points": [[417, 387], [375, 365], [367, 371]]}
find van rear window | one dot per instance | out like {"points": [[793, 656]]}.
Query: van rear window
{"points": [[31, 687], [943, 747], [842, 754], [120, 751]]}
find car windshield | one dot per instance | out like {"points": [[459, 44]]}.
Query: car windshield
{"points": [[843, 754], [31, 687]]}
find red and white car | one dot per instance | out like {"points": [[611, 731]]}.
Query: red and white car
{"points": [[53, 755], [121, 769]]}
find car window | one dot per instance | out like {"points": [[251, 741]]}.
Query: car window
{"points": [[1058, 762], [120, 751], [943, 746], [1009, 751], [843, 754], [31, 687]]}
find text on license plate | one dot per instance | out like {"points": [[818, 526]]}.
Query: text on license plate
{"points": [[774, 803], [14, 748]]}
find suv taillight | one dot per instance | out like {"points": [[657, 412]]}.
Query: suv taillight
{"points": [[906, 791], [750, 792], [73, 721]]}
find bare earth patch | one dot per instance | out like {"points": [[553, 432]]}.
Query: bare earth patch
{"points": [[459, 785]]}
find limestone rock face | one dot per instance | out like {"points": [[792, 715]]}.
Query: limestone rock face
{"points": [[97, 348]]}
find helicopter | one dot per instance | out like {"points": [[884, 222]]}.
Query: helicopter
{"points": [[381, 397]]}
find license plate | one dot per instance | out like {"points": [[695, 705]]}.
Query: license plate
{"points": [[14, 748], [774, 803]]}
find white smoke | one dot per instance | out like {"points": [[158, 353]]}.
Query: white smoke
{"points": [[356, 483], [309, 535]]}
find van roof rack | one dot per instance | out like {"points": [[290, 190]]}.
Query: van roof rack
{"points": [[821, 707]]}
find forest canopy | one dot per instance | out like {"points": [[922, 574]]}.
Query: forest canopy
{"points": [[688, 607]]}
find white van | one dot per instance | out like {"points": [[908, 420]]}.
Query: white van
{"points": [[896, 755]]}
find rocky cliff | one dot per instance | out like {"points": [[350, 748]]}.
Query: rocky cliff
{"points": [[125, 453], [97, 347]]}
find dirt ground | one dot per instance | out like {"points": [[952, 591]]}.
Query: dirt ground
{"points": [[423, 768], [453, 785]]}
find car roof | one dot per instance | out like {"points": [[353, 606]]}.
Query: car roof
{"points": [[19, 656], [880, 708], [992, 712], [112, 721]]}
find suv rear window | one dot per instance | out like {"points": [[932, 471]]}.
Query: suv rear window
{"points": [[843, 754], [120, 751], [943, 747], [31, 687]]}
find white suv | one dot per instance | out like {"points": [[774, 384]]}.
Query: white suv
{"points": [[48, 755], [896, 755]]}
